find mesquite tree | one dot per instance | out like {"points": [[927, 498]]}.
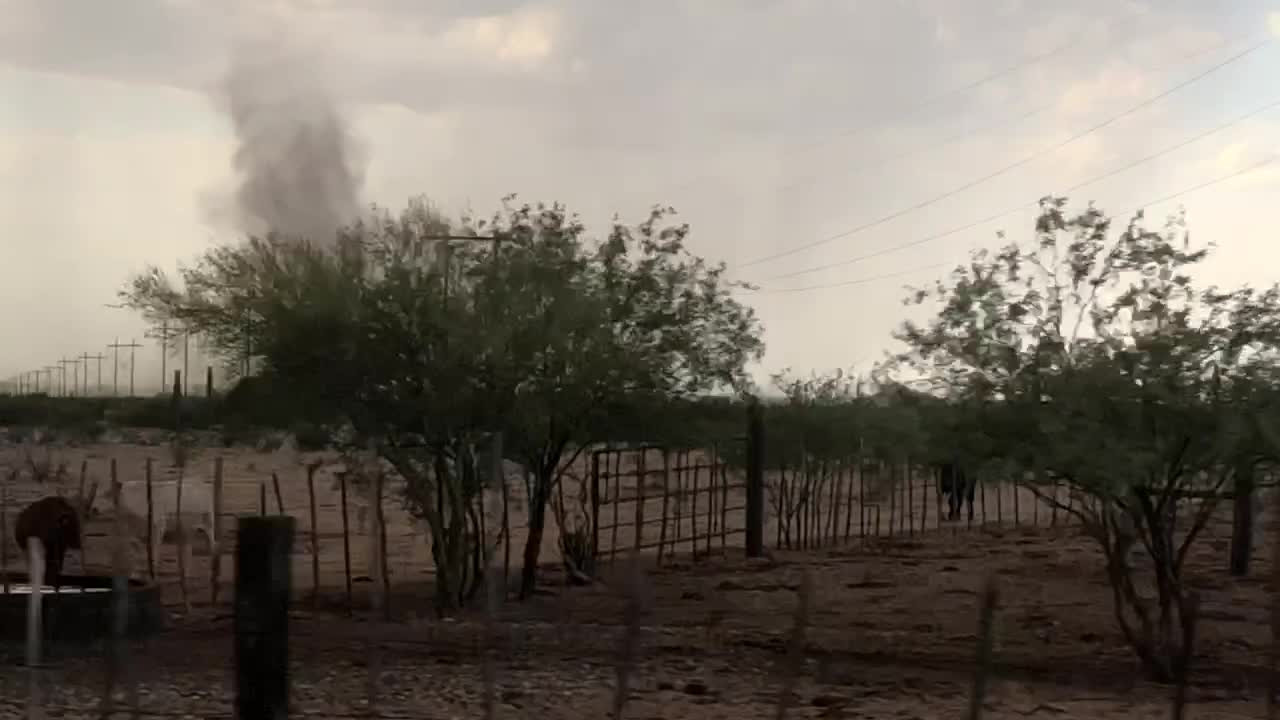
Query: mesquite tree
{"points": [[595, 330], [1095, 361], [421, 348]]}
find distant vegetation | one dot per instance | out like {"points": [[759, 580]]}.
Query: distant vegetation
{"points": [[242, 413]]}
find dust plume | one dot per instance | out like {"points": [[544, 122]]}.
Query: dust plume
{"points": [[299, 169]]}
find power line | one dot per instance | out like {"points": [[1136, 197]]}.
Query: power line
{"points": [[1019, 163], [858, 281], [1006, 121], [1015, 67], [1111, 173], [1173, 196], [1007, 70]]}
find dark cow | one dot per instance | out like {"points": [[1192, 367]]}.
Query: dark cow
{"points": [[957, 486], [56, 522]]}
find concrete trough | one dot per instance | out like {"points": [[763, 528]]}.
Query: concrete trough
{"points": [[81, 613]]}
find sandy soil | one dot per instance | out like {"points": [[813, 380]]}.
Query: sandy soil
{"points": [[892, 632]]}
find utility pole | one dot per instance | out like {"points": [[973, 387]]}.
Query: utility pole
{"points": [[75, 375], [133, 346], [165, 335], [86, 357], [48, 378], [62, 378], [115, 365]]}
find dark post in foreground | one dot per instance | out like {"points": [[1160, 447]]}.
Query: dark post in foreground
{"points": [[1242, 527], [755, 479], [262, 617]]}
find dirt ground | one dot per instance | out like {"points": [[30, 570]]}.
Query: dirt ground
{"points": [[892, 633], [680, 506]]}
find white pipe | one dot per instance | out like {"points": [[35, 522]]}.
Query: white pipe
{"points": [[35, 565]]}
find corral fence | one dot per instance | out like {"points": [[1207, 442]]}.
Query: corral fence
{"points": [[816, 503], [652, 498], [357, 543], [353, 532], [645, 498], [662, 501]]}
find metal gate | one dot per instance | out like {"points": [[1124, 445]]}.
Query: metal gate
{"points": [[648, 498]]}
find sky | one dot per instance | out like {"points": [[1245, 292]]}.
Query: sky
{"points": [[871, 143]]}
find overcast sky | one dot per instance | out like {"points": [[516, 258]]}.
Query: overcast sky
{"points": [[769, 124]]}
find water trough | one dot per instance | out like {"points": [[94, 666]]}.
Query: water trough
{"points": [[82, 611]]}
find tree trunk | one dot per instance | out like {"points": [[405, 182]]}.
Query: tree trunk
{"points": [[533, 545], [1157, 631], [1242, 528]]}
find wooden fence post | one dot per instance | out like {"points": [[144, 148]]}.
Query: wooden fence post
{"points": [[182, 543], [755, 479], [384, 577], [1242, 520], [275, 485], [263, 588], [151, 523], [215, 562], [315, 535], [666, 502], [346, 539], [641, 470], [4, 533], [595, 506]]}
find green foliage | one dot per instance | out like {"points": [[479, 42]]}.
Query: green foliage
{"points": [[423, 349], [1094, 360]]}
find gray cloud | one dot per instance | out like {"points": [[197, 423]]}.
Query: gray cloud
{"points": [[716, 106], [617, 74]]}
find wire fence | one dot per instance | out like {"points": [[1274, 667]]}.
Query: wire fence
{"points": [[663, 504], [824, 504]]}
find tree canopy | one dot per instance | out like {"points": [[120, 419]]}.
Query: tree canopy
{"points": [[426, 337], [1091, 357]]}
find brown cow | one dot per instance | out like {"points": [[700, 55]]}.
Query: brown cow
{"points": [[56, 521]]}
